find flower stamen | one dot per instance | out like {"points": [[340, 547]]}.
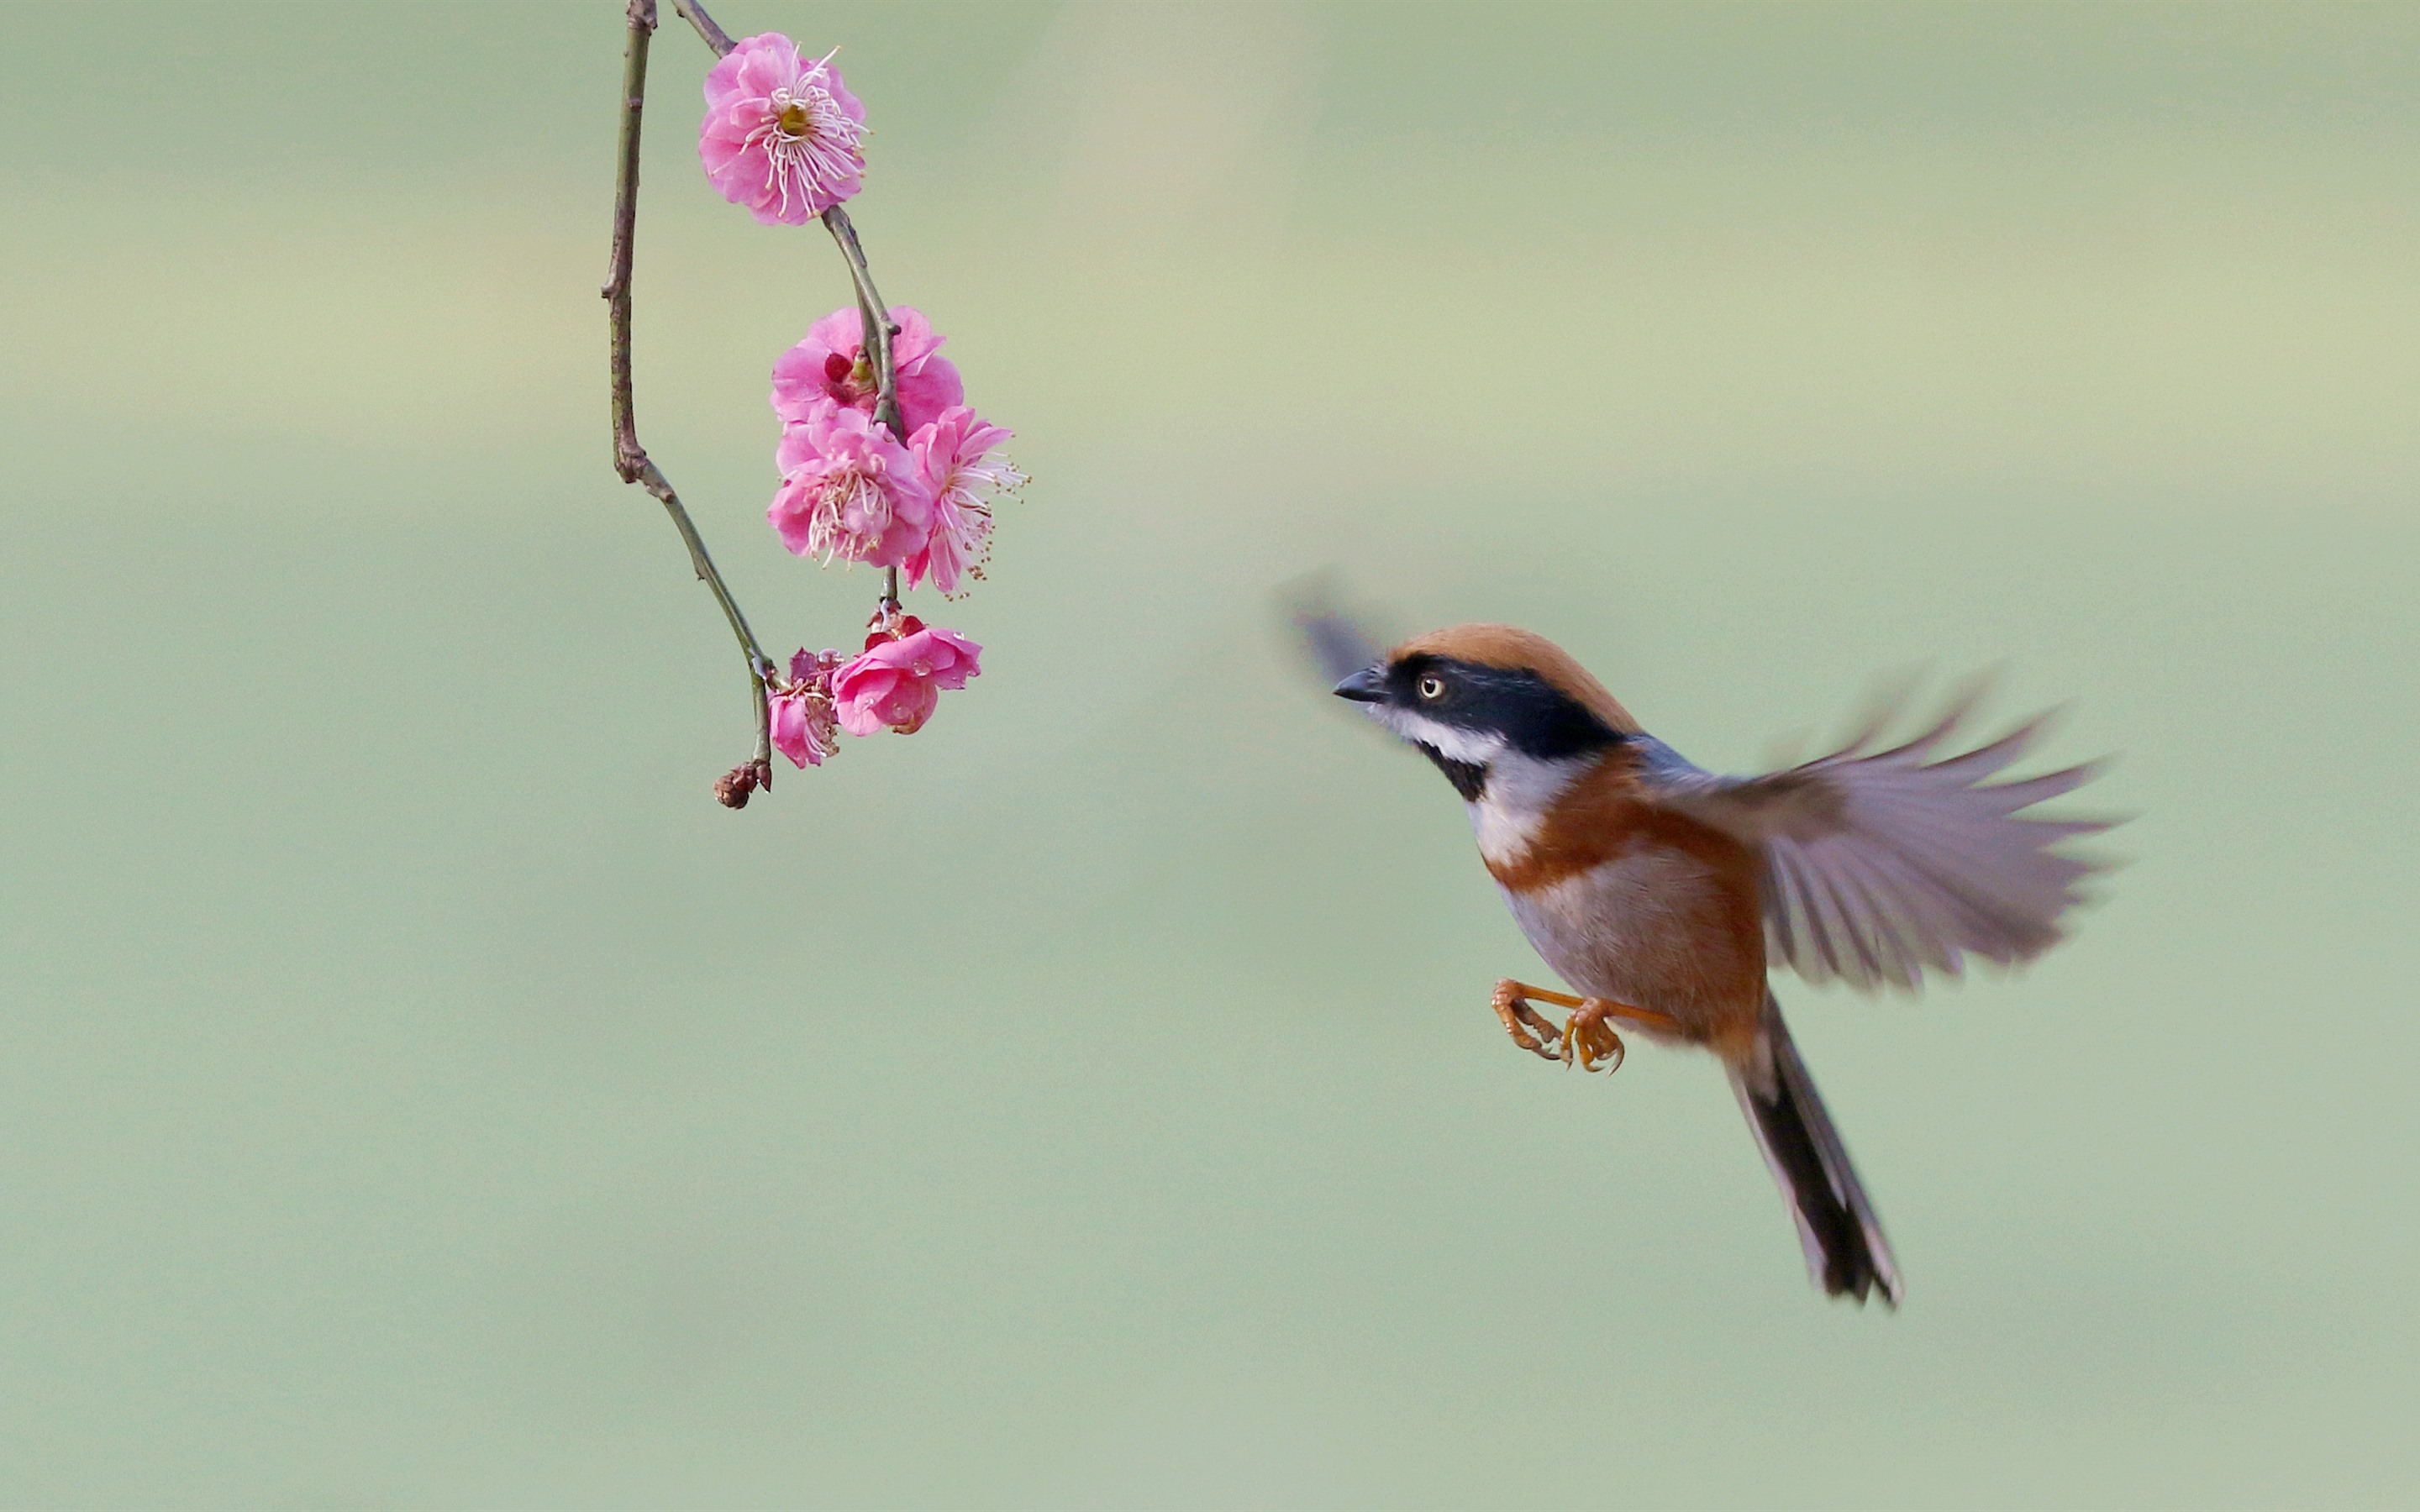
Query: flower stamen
{"points": [[807, 139]]}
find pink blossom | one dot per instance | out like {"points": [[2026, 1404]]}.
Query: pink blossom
{"points": [[896, 684], [805, 726], [782, 133], [833, 363], [959, 457], [848, 490]]}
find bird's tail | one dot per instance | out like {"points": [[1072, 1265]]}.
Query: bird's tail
{"points": [[1845, 1249]]}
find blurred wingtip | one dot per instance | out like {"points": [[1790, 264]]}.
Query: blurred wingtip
{"points": [[1331, 641], [1882, 705]]}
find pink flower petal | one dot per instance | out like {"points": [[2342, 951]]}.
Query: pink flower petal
{"points": [[896, 684], [928, 382]]}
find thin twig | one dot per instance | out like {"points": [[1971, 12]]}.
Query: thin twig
{"points": [[875, 316], [874, 322], [630, 460], [880, 327], [628, 457], [716, 38]]}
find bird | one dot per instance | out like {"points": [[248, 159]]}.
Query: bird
{"points": [[1662, 891]]}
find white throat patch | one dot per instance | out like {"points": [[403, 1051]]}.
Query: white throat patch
{"points": [[1512, 806], [1520, 789], [1478, 748]]}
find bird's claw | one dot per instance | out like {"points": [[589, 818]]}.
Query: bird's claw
{"points": [[1587, 1040], [1520, 1020]]}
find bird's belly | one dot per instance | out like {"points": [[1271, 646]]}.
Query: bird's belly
{"points": [[1656, 930]]}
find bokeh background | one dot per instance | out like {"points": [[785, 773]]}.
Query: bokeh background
{"points": [[414, 1090]]}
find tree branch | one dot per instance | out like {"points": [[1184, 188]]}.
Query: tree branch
{"points": [[630, 460], [628, 457], [874, 322], [716, 38], [874, 315]]}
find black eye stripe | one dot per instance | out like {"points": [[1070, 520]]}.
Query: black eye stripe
{"points": [[1534, 717]]}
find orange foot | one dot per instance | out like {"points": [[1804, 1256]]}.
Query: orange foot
{"points": [[1511, 1005], [1589, 1039], [1585, 1040]]}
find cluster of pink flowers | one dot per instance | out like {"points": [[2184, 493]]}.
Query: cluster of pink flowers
{"points": [[850, 490], [894, 683], [782, 138]]}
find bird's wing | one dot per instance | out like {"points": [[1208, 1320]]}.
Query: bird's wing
{"points": [[1879, 864], [1336, 644], [1330, 639]]}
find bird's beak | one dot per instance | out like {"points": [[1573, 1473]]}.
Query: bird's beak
{"points": [[1368, 686]]}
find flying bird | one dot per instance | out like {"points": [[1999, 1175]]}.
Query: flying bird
{"points": [[1662, 891]]}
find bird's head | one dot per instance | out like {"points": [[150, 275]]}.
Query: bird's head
{"points": [[1475, 698]]}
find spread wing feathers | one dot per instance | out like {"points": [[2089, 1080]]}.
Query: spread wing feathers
{"points": [[1881, 864]]}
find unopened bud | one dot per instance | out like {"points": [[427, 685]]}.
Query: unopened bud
{"points": [[732, 788]]}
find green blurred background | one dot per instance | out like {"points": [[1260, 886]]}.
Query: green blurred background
{"points": [[416, 1091]]}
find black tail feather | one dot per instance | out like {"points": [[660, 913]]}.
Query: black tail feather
{"points": [[1845, 1249]]}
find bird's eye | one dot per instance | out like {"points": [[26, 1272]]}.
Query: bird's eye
{"points": [[1431, 689]]}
